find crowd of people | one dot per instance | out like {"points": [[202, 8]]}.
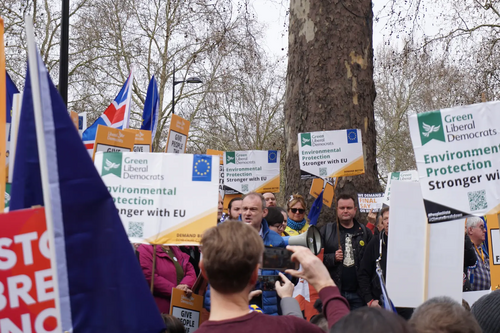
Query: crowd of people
{"points": [[349, 278]]}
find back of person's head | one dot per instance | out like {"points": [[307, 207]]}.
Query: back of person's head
{"points": [[486, 311], [274, 216], [173, 324], [443, 315], [320, 321], [373, 320], [231, 253]]}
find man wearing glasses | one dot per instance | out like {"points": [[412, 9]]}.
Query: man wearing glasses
{"points": [[478, 275]]}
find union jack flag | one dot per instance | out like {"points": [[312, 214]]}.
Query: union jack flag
{"points": [[117, 115]]}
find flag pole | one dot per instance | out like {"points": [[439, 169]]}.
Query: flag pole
{"points": [[40, 135], [3, 119]]}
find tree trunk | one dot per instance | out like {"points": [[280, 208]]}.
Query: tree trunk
{"points": [[330, 86]]}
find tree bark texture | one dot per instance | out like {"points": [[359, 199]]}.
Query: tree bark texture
{"points": [[330, 86]]}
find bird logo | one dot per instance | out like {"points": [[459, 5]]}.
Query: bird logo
{"points": [[305, 140], [110, 165], [428, 129]]}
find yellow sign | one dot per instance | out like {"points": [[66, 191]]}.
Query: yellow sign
{"points": [[3, 119], [177, 135], [143, 140], [328, 190], [109, 139], [328, 195], [316, 187], [220, 153], [186, 309], [494, 249], [74, 118]]}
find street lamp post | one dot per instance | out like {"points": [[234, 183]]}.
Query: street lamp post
{"points": [[192, 79]]}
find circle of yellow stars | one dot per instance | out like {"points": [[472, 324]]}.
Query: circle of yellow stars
{"points": [[272, 156], [196, 167], [353, 135]]}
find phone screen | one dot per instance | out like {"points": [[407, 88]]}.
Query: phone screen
{"points": [[267, 282], [277, 258]]}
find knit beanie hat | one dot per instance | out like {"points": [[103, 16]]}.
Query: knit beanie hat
{"points": [[485, 310]]}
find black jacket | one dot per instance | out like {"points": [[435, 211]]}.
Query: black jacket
{"points": [[330, 242], [369, 283]]}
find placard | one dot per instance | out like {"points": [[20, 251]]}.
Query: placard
{"points": [[494, 249], [252, 170], [143, 140], [370, 201], [109, 139], [328, 190], [457, 153], [177, 135], [408, 176], [162, 198], [74, 118], [186, 309], [429, 258], [219, 153], [331, 154], [25, 273], [82, 122]]}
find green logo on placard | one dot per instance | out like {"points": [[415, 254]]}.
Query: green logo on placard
{"points": [[395, 175], [305, 139], [430, 126], [7, 195], [230, 157], [112, 164]]}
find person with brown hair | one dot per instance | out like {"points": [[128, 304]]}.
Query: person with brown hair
{"points": [[443, 315], [297, 222], [373, 320], [231, 256], [270, 199]]}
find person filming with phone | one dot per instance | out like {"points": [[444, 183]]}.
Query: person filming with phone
{"points": [[231, 256]]}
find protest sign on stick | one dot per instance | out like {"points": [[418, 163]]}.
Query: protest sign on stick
{"points": [[370, 201], [457, 152], [252, 170], [177, 135], [417, 255], [26, 273], [408, 176], [493, 234], [186, 309], [331, 154], [219, 153], [162, 198], [143, 140], [109, 139]]}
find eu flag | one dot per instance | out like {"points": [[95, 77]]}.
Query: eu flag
{"points": [[202, 168], [272, 156], [352, 136]]}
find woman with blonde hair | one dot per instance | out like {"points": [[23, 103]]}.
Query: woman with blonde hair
{"points": [[297, 222]]}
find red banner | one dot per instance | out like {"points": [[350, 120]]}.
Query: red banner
{"points": [[27, 295]]}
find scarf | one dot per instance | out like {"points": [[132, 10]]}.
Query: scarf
{"points": [[296, 225]]}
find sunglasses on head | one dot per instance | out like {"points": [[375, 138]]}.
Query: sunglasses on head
{"points": [[295, 210]]}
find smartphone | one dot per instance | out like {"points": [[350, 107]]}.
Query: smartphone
{"points": [[278, 258], [267, 282]]}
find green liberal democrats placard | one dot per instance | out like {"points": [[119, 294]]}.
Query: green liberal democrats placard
{"points": [[331, 154], [162, 198], [251, 170], [458, 160]]}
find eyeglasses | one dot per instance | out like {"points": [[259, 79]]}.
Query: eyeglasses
{"points": [[300, 210]]}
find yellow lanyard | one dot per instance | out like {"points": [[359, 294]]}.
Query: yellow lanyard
{"points": [[480, 253]]}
